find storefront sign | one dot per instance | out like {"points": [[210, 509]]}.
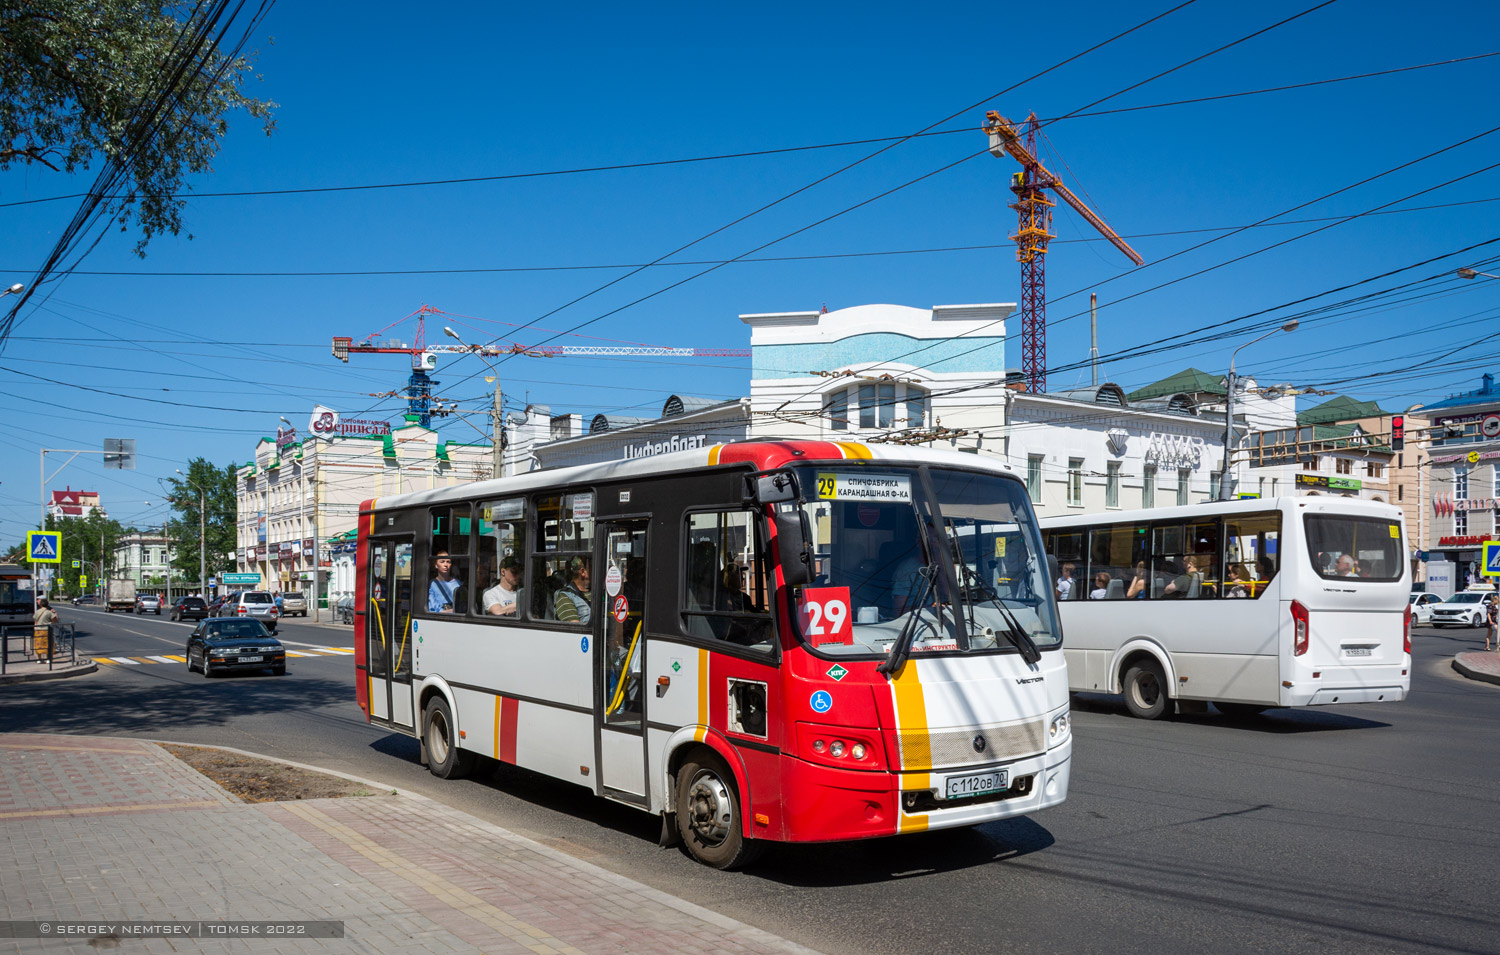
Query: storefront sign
{"points": [[1454, 458], [327, 423], [1444, 505], [1471, 540], [1174, 451], [285, 437], [1332, 483], [674, 443]]}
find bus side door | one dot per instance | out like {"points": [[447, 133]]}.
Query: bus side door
{"points": [[387, 635], [619, 656]]}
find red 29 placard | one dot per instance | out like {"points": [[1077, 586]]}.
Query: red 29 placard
{"points": [[825, 615]]}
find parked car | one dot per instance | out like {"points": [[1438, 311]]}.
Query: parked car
{"points": [[1463, 609], [343, 610], [189, 608], [251, 603], [1421, 607], [148, 603], [294, 602], [234, 643]]}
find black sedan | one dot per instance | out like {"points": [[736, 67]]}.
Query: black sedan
{"points": [[222, 644], [189, 608]]}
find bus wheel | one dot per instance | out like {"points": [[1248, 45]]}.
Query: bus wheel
{"points": [[444, 758], [1146, 691], [708, 815], [1240, 710]]}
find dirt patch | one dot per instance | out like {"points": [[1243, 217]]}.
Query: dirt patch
{"points": [[261, 780]]}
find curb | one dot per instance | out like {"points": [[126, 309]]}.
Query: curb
{"points": [[41, 675], [1474, 674]]}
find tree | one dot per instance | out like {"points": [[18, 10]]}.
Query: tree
{"points": [[218, 486], [142, 84]]}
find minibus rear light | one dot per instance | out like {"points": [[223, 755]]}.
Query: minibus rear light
{"points": [[1406, 631], [1299, 628]]}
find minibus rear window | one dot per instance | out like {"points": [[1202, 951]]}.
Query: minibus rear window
{"points": [[1342, 546]]}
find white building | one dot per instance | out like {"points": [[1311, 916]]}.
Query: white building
{"points": [[297, 493], [145, 559], [1464, 477], [539, 439]]}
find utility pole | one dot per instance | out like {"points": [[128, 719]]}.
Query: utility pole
{"points": [[498, 468], [1094, 338]]}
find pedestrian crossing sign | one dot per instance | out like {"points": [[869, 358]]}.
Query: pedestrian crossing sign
{"points": [[1491, 559], [44, 547]]}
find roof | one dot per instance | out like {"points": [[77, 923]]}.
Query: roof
{"points": [[614, 422], [1486, 394], [1342, 408], [1191, 381], [71, 496]]}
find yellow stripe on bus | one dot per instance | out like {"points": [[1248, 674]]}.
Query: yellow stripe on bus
{"points": [[702, 729], [496, 739], [855, 450], [713, 454], [911, 732]]}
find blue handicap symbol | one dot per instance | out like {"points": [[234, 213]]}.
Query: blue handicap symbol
{"points": [[584, 644], [821, 701]]}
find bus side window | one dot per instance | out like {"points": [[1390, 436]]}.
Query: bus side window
{"points": [[448, 564], [1253, 543], [561, 582], [501, 559], [726, 580]]}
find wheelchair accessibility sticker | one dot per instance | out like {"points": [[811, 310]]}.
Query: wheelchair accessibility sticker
{"points": [[821, 701]]}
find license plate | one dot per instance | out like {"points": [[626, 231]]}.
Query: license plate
{"points": [[251, 659], [957, 787], [1357, 651]]}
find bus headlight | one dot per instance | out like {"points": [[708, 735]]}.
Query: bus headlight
{"points": [[1057, 730]]}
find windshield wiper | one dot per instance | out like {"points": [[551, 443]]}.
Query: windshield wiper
{"points": [[1014, 632], [901, 649]]}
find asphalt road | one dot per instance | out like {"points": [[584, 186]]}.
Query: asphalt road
{"points": [[1336, 829]]}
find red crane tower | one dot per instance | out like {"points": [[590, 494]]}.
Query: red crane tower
{"points": [[1035, 210]]}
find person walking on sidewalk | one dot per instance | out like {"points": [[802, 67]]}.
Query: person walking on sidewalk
{"points": [[1492, 622]]}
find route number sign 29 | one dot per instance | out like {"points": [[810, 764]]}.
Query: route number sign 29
{"points": [[825, 615]]}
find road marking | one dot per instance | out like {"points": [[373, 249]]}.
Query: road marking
{"points": [[177, 658], [126, 660], [165, 659], [105, 660]]}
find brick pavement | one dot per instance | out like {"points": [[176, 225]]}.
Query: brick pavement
{"points": [[102, 828], [1482, 665]]}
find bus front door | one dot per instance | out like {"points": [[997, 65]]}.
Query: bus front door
{"points": [[620, 648], [388, 633]]}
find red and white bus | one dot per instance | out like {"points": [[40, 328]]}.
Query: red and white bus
{"points": [[759, 642]]}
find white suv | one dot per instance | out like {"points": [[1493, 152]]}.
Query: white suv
{"points": [[1465, 609], [252, 603]]}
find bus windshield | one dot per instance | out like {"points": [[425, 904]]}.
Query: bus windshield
{"points": [[15, 595], [876, 532]]}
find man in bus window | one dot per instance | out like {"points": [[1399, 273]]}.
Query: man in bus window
{"points": [[572, 602], [505, 596], [442, 593], [1345, 566]]}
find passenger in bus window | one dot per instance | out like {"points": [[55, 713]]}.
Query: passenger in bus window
{"points": [[1345, 566], [572, 602], [1101, 586], [1234, 582], [1065, 582], [503, 598], [1137, 590], [442, 593]]}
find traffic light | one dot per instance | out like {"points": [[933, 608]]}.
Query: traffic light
{"points": [[1398, 432]]}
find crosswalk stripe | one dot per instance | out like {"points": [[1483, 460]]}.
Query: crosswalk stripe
{"points": [[144, 659], [105, 660], [165, 659], [175, 658], [126, 660], [294, 653], [346, 650]]}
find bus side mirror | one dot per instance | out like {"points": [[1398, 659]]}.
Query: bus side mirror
{"points": [[792, 536], [776, 487]]}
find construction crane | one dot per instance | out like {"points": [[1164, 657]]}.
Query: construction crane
{"points": [[1035, 210], [424, 357]]}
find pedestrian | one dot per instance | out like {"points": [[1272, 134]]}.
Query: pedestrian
{"points": [[45, 616], [1492, 622]]}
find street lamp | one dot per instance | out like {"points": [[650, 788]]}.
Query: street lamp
{"points": [[1470, 273], [202, 536], [497, 466], [1224, 479], [14, 289]]}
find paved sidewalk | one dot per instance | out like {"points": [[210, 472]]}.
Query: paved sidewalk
{"points": [[1482, 665], [101, 828], [29, 671]]}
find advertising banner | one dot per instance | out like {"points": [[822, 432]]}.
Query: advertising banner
{"points": [[327, 423]]}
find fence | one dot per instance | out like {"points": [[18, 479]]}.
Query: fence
{"points": [[21, 645]]}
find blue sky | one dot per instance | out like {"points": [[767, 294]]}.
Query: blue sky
{"points": [[371, 95]]}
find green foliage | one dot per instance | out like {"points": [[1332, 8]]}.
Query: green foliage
{"points": [[77, 77], [217, 487]]}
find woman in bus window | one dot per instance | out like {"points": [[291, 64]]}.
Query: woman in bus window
{"points": [[1234, 582], [1137, 589], [442, 593]]}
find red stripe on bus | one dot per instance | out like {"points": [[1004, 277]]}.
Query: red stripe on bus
{"points": [[509, 706]]}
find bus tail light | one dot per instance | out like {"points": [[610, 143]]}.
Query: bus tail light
{"points": [[1406, 631], [1299, 629]]}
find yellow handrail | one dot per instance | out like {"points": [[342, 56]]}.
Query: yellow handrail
{"points": [[619, 696], [380, 619]]}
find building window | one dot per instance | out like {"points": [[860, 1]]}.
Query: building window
{"points": [[1184, 476], [1261, 487], [1460, 484], [1075, 481], [1112, 484], [1343, 466], [1034, 478], [1460, 523], [1400, 492], [837, 410], [1148, 486], [867, 406], [1274, 482], [1213, 485], [1374, 470], [1309, 463]]}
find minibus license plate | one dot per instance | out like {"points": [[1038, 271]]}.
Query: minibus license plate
{"points": [[978, 784], [1358, 651], [251, 659]]}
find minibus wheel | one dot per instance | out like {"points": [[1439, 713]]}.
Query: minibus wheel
{"points": [[444, 758], [709, 814], [1146, 690]]}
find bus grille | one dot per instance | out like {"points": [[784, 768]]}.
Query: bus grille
{"points": [[924, 750]]}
